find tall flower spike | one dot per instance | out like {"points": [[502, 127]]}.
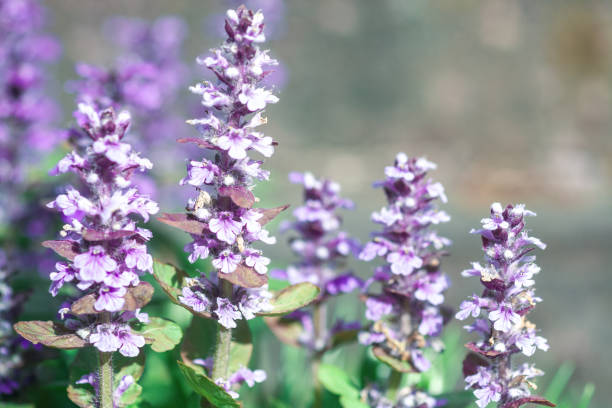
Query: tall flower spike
{"points": [[230, 226], [407, 314], [500, 313], [322, 252]]}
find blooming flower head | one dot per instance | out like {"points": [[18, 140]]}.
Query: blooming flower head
{"points": [[322, 250], [500, 313], [222, 222], [407, 315], [106, 251]]}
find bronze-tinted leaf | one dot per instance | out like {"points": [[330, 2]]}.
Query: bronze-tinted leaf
{"points": [[97, 235], [532, 399], [240, 195], [135, 298], [50, 334], [270, 213], [68, 249], [286, 330], [198, 142], [184, 222], [396, 364], [245, 276], [471, 362], [487, 353]]}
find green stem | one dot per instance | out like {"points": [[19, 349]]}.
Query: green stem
{"points": [[320, 327], [105, 373], [395, 380], [224, 341]]}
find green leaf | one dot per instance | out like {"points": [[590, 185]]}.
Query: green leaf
{"points": [[559, 382], [207, 388], [587, 396], [161, 334], [172, 281], [199, 342], [337, 381], [292, 298], [81, 397], [50, 334], [348, 402], [394, 363]]}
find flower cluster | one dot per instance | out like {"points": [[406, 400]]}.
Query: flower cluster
{"points": [[322, 251], [407, 397], [26, 112], [203, 295], [407, 314], [501, 311], [235, 380], [223, 208], [10, 347], [105, 248]]}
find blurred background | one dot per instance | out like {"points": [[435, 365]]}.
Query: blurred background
{"points": [[512, 99]]}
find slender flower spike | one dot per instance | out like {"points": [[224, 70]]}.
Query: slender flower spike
{"points": [[224, 181], [500, 313], [109, 251], [322, 252], [407, 314]]}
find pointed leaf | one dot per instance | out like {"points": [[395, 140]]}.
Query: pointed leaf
{"points": [[135, 298], [207, 388], [172, 281], [161, 334], [82, 397], [240, 195], [97, 235], [245, 277], [286, 330], [199, 342], [488, 353], [50, 334], [532, 399], [270, 213], [337, 381], [68, 249], [199, 142], [184, 222], [394, 363], [292, 298]]}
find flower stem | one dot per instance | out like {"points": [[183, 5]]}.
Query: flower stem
{"points": [[320, 328], [224, 341], [105, 373], [395, 380]]}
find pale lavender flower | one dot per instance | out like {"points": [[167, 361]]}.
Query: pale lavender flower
{"points": [[407, 315], [501, 311]]}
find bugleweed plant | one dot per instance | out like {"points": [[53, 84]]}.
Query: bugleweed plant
{"points": [[322, 252], [226, 285], [222, 222], [105, 253]]}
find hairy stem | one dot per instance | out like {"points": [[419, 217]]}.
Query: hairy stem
{"points": [[224, 341], [395, 380], [105, 373]]}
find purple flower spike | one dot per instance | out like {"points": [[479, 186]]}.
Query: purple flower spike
{"points": [[109, 249], [500, 313], [233, 108], [322, 252], [407, 314]]}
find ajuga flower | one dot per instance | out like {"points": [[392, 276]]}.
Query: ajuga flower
{"points": [[407, 314], [26, 112], [233, 111], [105, 248], [322, 251], [501, 311]]}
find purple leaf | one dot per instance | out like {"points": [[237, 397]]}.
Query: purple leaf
{"points": [[183, 222], [532, 399], [270, 213], [68, 249], [245, 276], [50, 334], [488, 353], [97, 235], [240, 195], [199, 142]]}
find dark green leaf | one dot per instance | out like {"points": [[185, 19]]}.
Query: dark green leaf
{"points": [[207, 388]]}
